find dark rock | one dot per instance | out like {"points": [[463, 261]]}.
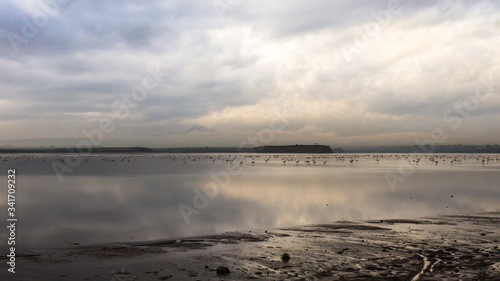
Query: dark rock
{"points": [[285, 257], [223, 270]]}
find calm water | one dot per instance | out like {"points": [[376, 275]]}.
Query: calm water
{"points": [[121, 198]]}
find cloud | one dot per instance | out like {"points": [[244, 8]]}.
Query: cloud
{"points": [[357, 70], [198, 128], [195, 128]]}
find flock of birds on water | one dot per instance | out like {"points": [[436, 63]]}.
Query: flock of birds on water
{"points": [[252, 159]]}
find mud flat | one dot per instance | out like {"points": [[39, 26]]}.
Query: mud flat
{"points": [[432, 248]]}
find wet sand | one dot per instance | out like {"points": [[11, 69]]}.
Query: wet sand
{"points": [[432, 248]]}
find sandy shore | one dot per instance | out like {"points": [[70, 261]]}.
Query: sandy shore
{"points": [[433, 248]]}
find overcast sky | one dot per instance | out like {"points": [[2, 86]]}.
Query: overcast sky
{"points": [[212, 73]]}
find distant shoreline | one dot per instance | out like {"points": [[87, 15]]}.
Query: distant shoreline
{"points": [[267, 149], [291, 149]]}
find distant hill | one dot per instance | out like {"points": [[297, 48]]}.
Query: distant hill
{"points": [[294, 149]]}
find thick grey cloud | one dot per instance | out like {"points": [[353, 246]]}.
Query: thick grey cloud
{"points": [[365, 71]]}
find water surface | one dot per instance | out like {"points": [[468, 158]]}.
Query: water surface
{"points": [[122, 198]]}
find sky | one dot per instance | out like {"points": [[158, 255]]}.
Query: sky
{"points": [[249, 72]]}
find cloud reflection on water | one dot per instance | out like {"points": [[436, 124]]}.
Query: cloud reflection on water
{"points": [[102, 202]]}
